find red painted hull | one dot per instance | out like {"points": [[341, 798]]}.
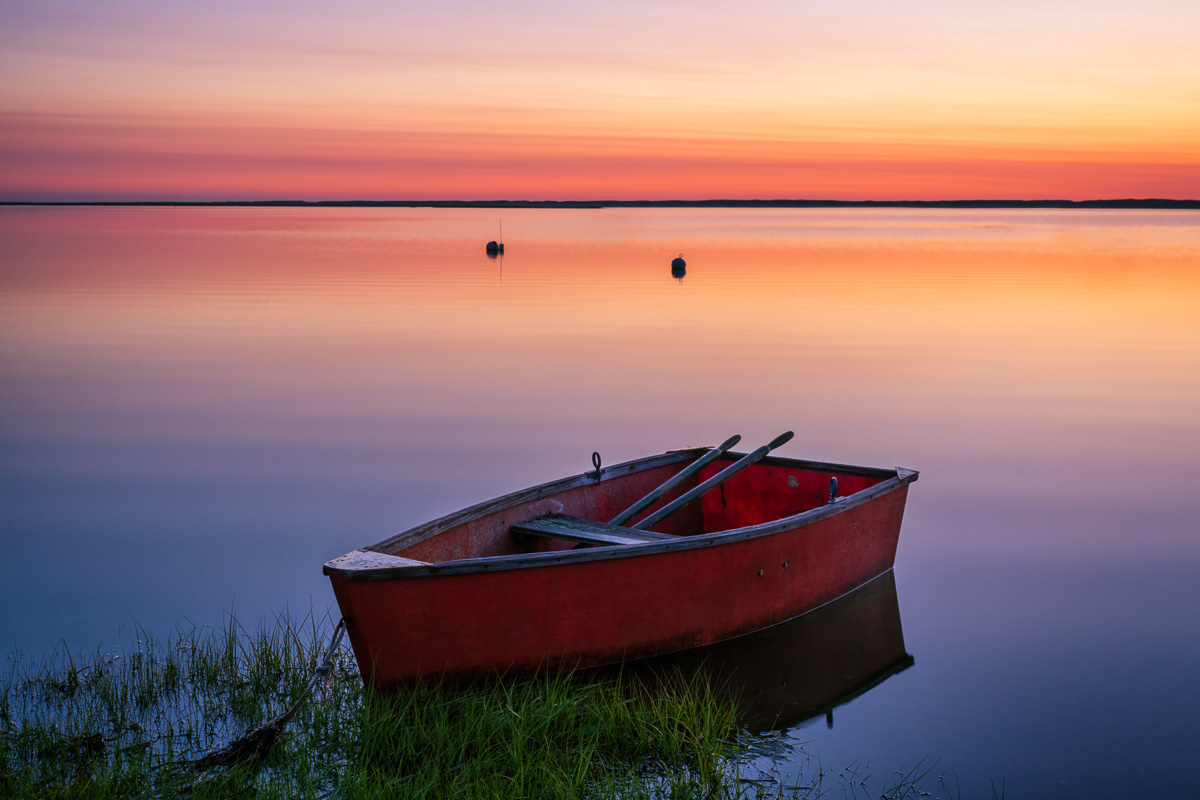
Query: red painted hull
{"points": [[461, 597]]}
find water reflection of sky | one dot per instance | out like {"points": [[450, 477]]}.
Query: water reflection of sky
{"points": [[200, 406]]}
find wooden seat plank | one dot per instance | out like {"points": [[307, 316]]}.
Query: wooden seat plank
{"points": [[587, 531]]}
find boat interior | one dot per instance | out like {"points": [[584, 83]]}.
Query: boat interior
{"points": [[577, 512]]}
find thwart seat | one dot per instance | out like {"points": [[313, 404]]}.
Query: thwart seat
{"points": [[586, 531]]}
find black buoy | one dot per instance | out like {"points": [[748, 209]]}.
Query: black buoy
{"points": [[679, 263], [494, 247]]}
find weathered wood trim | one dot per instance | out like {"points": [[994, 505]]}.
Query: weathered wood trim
{"points": [[900, 478], [577, 529], [365, 559], [825, 466]]}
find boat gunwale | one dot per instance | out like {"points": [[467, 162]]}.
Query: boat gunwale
{"points": [[893, 479]]}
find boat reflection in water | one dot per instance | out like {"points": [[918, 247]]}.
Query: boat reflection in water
{"points": [[805, 667]]}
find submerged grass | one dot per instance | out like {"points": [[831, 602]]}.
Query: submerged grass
{"points": [[138, 723]]}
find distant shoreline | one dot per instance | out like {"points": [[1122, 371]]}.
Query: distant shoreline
{"points": [[1156, 204]]}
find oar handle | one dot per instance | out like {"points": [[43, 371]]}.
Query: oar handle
{"points": [[712, 483], [673, 481]]}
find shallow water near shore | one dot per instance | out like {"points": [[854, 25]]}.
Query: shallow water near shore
{"points": [[200, 406]]}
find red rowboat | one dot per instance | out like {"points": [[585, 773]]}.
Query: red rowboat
{"points": [[541, 579]]}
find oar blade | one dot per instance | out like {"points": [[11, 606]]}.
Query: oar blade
{"points": [[780, 440]]}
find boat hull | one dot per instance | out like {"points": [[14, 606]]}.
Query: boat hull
{"points": [[577, 609]]}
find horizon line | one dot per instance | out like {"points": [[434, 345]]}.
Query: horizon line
{"points": [[1126, 203]]}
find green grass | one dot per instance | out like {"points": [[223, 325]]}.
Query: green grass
{"points": [[134, 724]]}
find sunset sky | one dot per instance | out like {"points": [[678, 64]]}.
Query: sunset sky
{"points": [[625, 99]]}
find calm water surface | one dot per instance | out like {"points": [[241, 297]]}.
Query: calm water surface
{"points": [[200, 406]]}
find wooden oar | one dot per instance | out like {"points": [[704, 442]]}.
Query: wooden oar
{"points": [[674, 481], [711, 483]]}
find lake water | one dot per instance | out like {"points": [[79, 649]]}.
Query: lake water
{"points": [[198, 407]]}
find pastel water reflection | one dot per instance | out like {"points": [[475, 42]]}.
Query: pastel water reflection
{"points": [[805, 668], [200, 406]]}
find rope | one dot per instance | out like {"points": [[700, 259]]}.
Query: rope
{"points": [[255, 742]]}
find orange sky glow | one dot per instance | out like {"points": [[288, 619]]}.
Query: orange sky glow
{"points": [[655, 100]]}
